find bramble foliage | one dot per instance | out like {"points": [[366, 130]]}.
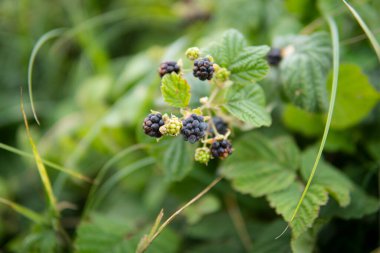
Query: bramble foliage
{"points": [[143, 104]]}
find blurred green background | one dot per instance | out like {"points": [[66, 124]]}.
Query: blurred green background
{"points": [[94, 84]]}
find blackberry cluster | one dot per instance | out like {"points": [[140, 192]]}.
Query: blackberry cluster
{"points": [[220, 125], [193, 128], [221, 149], [152, 124], [168, 67], [274, 56], [203, 69]]}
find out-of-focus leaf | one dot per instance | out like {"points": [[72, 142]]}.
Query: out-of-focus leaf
{"points": [[355, 98], [304, 70], [335, 182], [177, 159], [307, 123], [208, 204]]}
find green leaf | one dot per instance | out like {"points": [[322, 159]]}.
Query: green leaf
{"points": [[207, 205], [175, 90], [305, 243], [361, 205], [113, 234], [355, 98], [286, 201], [304, 70], [334, 181], [245, 63], [260, 166], [265, 243], [301, 121], [248, 104], [177, 159]]}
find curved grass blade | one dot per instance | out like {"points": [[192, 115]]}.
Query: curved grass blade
{"points": [[335, 43], [46, 162], [102, 173], [41, 41], [112, 181], [375, 44], [40, 165], [28, 213]]}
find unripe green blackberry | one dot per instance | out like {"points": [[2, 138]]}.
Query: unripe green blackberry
{"points": [[193, 128], [221, 74], [168, 67], [172, 126], [152, 124], [274, 56], [203, 69], [192, 53], [202, 155], [221, 149]]}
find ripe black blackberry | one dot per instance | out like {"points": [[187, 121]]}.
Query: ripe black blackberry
{"points": [[193, 128], [220, 125], [274, 56], [221, 149], [168, 67], [203, 69], [152, 124]]}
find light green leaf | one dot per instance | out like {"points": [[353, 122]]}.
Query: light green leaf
{"points": [[355, 98], [334, 181], [177, 159], [245, 63], [260, 166], [304, 70], [301, 121], [286, 201], [206, 205], [248, 104], [175, 90]]}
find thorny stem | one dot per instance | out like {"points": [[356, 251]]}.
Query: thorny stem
{"points": [[171, 218]]}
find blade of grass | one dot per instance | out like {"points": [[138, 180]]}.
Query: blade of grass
{"points": [[46, 162], [102, 172], [28, 213], [335, 43], [375, 44], [40, 165], [112, 181], [41, 41]]}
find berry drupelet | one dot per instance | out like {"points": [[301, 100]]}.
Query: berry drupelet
{"points": [[220, 125], [152, 124], [274, 56], [221, 149], [193, 128], [203, 69], [168, 67]]}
